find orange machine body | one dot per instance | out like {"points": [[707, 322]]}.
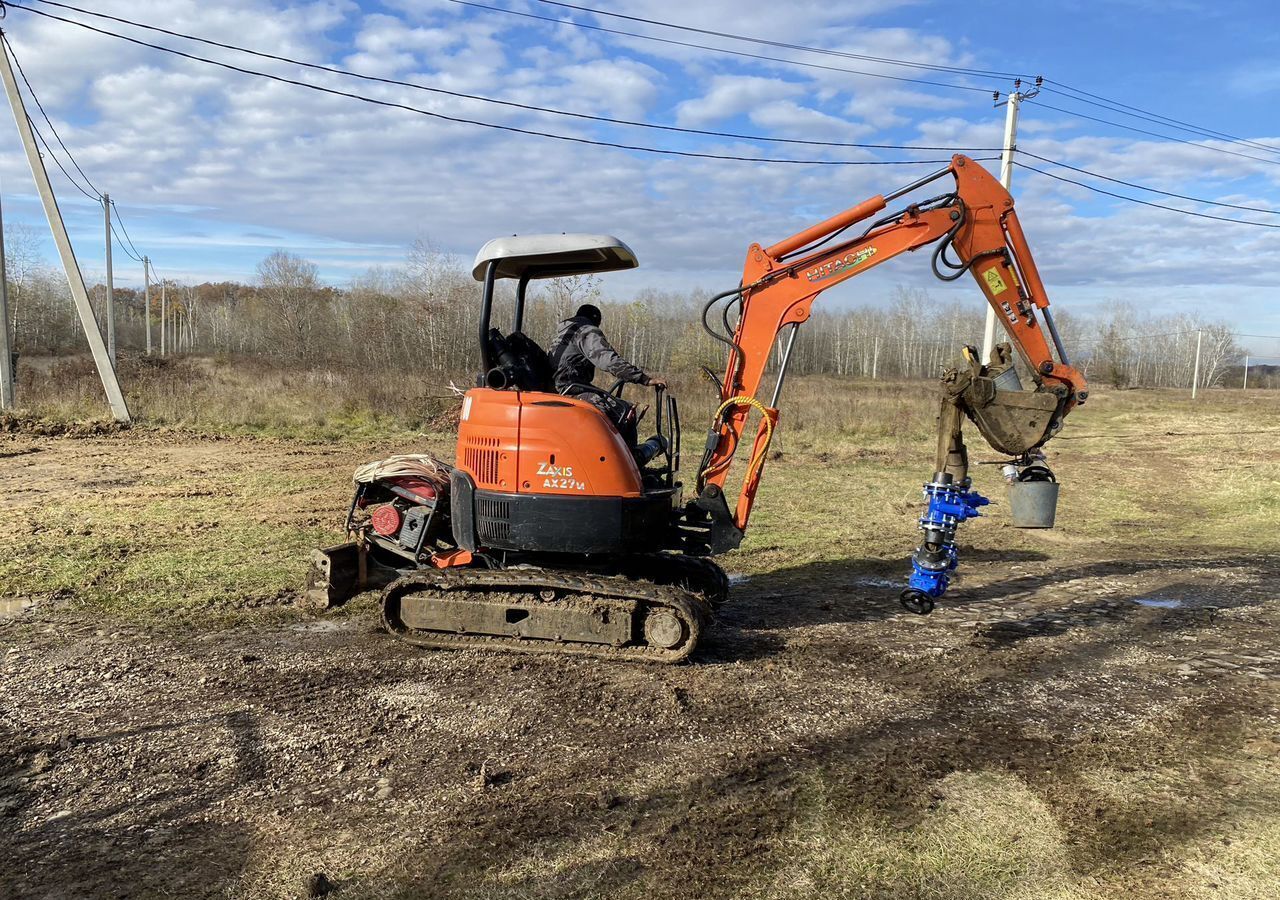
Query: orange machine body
{"points": [[530, 442], [539, 472]]}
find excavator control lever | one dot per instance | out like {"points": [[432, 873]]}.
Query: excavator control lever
{"points": [[936, 557]]}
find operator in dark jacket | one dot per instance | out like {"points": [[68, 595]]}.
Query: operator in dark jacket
{"points": [[580, 348]]}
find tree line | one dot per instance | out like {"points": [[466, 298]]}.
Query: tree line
{"points": [[422, 318]]}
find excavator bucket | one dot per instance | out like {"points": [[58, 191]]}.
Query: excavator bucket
{"points": [[339, 573], [1014, 422]]}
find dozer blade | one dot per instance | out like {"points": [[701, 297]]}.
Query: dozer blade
{"points": [[339, 573]]}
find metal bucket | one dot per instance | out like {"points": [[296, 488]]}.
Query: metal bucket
{"points": [[1033, 503]]}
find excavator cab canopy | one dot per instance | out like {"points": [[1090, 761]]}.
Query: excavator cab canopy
{"points": [[515, 360], [535, 256]]}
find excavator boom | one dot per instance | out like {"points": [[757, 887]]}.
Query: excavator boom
{"points": [[975, 229]]}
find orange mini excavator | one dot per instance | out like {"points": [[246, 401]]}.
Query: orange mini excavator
{"points": [[549, 533]]}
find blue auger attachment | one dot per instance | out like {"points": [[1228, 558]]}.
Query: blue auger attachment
{"points": [[935, 558]]}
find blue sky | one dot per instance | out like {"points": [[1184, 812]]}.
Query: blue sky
{"points": [[213, 170]]}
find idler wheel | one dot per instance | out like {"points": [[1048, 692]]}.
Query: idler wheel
{"points": [[663, 629]]}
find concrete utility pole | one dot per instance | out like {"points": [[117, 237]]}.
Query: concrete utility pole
{"points": [[8, 399], [75, 280], [164, 312], [1012, 105], [111, 291], [1243, 387], [1195, 373], [146, 298]]}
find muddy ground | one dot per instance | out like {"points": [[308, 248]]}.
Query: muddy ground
{"points": [[1121, 708]]}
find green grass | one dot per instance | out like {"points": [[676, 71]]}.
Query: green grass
{"points": [[987, 837], [180, 554]]}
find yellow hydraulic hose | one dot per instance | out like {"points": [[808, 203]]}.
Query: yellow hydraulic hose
{"points": [[756, 460]]}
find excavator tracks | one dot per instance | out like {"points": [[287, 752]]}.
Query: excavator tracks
{"points": [[538, 610], [693, 573]]}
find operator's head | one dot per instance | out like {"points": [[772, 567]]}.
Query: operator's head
{"points": [[590, 313]]}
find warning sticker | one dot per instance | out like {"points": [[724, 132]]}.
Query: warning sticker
{"points": [[994, 282]]}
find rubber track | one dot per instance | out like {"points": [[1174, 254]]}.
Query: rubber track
{"points": [[690, 607], [702, 576]]}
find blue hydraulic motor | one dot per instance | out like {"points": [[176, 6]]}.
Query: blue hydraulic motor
{"points": [[936, 557]]}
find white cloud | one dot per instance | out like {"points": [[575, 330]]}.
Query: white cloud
{"points": [[205, 161], [732, 95]]}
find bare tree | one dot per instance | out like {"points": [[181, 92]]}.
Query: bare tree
{"points": [[21, 255], [290, 293]]}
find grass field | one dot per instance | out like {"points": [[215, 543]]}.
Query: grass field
{"points": [[1041, 735]]}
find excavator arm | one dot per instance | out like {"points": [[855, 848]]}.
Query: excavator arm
{"points": [[975, 230]]}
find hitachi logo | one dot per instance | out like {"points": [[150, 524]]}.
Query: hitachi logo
{"points": [[836, 266]]}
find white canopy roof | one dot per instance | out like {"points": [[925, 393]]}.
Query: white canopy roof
{"points": [[553, 255]]}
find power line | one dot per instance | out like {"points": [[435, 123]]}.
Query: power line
{"points": [[1185, 212], [93, 193], [49, 122], [1136, 113], [742, 53], [477, 122], [1062, 88], [569, 22], [1126, 109], [49, 150], [574, 139], [123, 247], [137, 255], [508, 103], [126, 250], [1143, 187], [43, 140], [1166, 137], [888, 60]]}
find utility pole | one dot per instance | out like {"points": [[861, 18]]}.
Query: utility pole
{"points": [[164, 311], [1195, 373], [875, 358], [1244, 387], [8, 399], [75, 280], [146, 298], [111, 292], [1012, 105]]}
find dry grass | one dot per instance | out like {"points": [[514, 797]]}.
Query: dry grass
{"points": [[1150, 471], [250, 396], [241, 396]]}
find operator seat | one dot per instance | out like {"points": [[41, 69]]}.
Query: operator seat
{"points": [[519, 363], [522, 365]]}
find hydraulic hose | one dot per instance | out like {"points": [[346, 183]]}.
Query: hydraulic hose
{"points": [[757, 460], [940, 251]]}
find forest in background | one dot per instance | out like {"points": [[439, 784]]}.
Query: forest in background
{"points": [[422, 317]]}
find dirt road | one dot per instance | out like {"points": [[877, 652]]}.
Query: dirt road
{"points": [[1069, 724]]}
